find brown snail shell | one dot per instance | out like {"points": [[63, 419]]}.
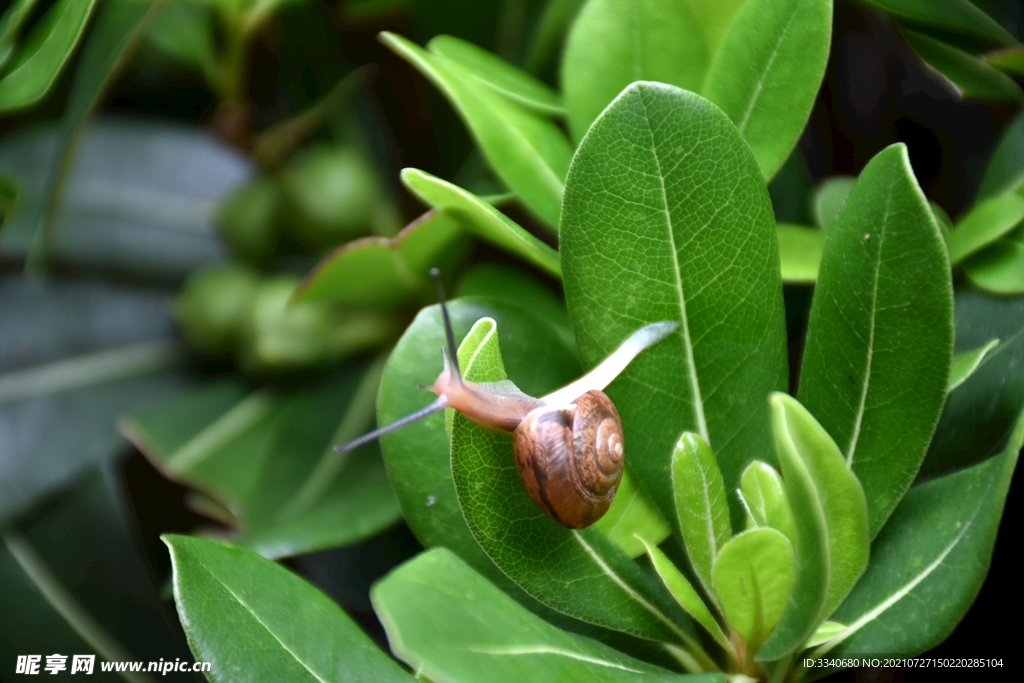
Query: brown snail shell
{"points": [[570, 458]]}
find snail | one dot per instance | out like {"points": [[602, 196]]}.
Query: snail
{"points": [[568, 444]]}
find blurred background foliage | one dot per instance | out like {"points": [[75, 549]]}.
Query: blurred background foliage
{"points": [[171, 174]]}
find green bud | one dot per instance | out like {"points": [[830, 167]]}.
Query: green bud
{"points": [[330, 195], [212, 304], [247, 219]]}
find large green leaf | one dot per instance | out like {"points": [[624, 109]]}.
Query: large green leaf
{"points": [[986, 222], [767, 71], [616, 42], [498, 74], [482, 219], [929, 562], [69, 365], [527, 151], [256, 621], [962, 16], [831, 522], [449, 623], [577, 572], [633, 518], [667, 218], [880, 334], [701, 507], [800, 252], [39, 60], [418, 455], [967, 75]]}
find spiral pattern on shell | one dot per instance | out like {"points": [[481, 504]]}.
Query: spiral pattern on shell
{"points": [[570, 458]]}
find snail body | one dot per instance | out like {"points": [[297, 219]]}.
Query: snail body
{"points": [[568, 445]]}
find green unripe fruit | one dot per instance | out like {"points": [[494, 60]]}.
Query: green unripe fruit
{"points": [[212, 305]]}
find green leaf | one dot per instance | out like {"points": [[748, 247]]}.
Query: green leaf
{"points": [[666, 169], [613, 43], [880, 334], [185, 31], [449, 623], [482, 219], [1011, 59], [385, 273], [968, 76], [800, 251], [753, 576], [684, 593], [986, 222], [10, 28], [1005, 169], [633, 516], [930, 560], [767, 71], [701, 507], [831, 522], [829, 197], [68, 367], [827, 631], [577, 572], [999, 268], [256, 621], [966, 362], [418, 455], [40, 58], [765, 498], [961, 16], [980, 413], [496, 73], [527, 151]]}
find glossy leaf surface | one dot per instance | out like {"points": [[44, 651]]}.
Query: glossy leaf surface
{"points": [[969, 76], [528, 152], [498, 74], [930, 560], [767, 71], [966, 362], [879, 337], [1005, 169], [451, 624], [482, 219], [40, 58], [986, 222], [665, 169], [254, 620], [616, 42], [753, 575], [633, 516], [577, 572], [701, 507], [999, 268]]}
